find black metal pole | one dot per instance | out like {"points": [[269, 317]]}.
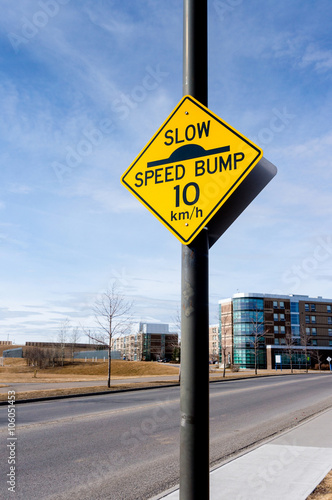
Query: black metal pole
{"points": [[195, 50], [194, 431]]}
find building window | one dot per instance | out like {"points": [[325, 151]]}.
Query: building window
{"points": [[281, 317], [252, 317], [330, 332], [295, 330], [282, 305], [329, 320], [307, 331], [294, 319], [276, 329], [276, 341], [275, 317], [294, 307], [313, 319], [247, 304], [313, 331], [282, 329], [307, 319], [275, 304], [306, 307], [328, 308], [314, 342], [312, 307], [330, 342]]}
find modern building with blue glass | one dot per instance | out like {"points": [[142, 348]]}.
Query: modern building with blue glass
{"points": [[260, 328]]}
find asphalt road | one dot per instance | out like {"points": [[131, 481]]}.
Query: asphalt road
{"points": [[125, 446]]}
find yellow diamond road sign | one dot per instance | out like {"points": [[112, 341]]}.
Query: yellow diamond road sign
{"points": [[190, 167]]}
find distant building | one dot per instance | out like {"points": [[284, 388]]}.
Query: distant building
{"points": [[68, 348], [13, 353], [65, 344], [151, 342], [213, 343], [279, 325]]}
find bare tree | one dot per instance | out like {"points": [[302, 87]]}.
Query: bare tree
{"points": [[40, 357], [177, 349], [113, 316], [290, 345], [62, 338], [176, 355], [318, 356], [73, 339], [305, 339], [33, 356], [257, 333], [226, 340]]}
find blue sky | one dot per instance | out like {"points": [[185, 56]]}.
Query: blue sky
{"points": [[84, 86]]}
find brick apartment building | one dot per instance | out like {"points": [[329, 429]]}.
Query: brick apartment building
{"points": [[288, 325]]}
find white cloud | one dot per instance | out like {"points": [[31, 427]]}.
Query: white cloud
{"points": [[319, 58], [20, 189]]}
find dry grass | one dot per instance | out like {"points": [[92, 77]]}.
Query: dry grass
{"points": [[119, 368], [16, 370], [323, 490]]}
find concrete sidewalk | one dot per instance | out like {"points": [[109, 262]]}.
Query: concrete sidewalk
{"points": [[288, 467]]}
